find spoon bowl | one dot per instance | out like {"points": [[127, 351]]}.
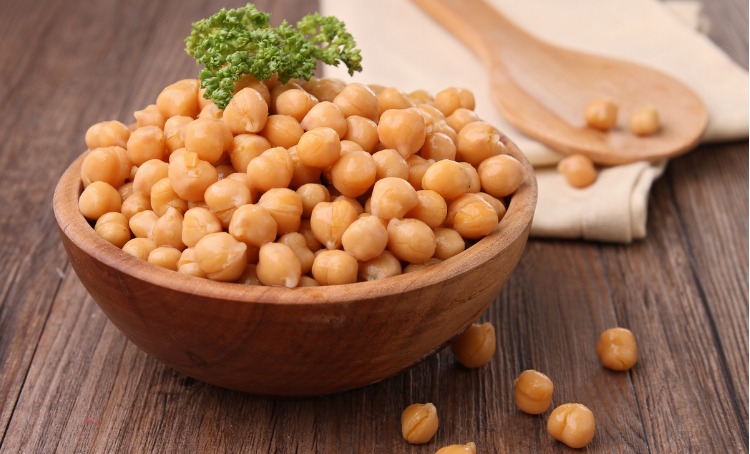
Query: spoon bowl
{"points": [[543, 89]]}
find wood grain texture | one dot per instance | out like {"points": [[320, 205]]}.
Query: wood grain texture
{"points": [[543, 89], [70, 382]]}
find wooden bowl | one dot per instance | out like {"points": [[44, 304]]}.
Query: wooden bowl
{"points": [[292, 342]]}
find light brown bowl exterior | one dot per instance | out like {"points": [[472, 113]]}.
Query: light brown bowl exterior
{"points": [[292, 342]]}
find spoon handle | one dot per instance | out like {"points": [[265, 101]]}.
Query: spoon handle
{"points": [[479, 25]]}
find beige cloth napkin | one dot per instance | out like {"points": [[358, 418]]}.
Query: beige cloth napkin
{"points": [[403, 47]]}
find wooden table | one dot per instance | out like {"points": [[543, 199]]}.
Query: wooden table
{"points": [[70, 382]]}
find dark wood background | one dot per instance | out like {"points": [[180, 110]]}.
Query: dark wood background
{"points": [[70, 382]]}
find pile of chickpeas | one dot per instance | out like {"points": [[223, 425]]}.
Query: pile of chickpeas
{"points": [[300, 184]]}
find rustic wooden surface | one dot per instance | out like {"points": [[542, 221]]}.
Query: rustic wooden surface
{"points": [[70, 382]]}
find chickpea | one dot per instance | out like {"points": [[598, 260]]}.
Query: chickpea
{"points": [[295, 102], [297, 242], [644, 121], [225, 196], [501, 175], [245, 148], [197, 223], [468, 448], [533, 392], [135, 204], [167, 230], [325, 114], [354, 173], [224, 170], [190, 176], [261, 86], [363, 131], [165, 257], [578, 170], [478, 141], [278, 89], [410, 268], [146, 143], [617, 349], [475, 347], [107, 134], [438, 146], [142, 224], [450, 99], [246, 112], [139, 247], [392, 198], [351, 201], [174, 136], [420, 97], [208, 138], [307, 281], [402, 130], [460, 118], [392, 98], [274, 168], [448, 243], [389, 163], [430, 209], [496, 203], [366, 238], [221, 257], [285, 206], [278, 265], [431, 114], [472, 216], [249, 276], [417, 168], [163, 196], [187, 264], [108, 164], [382, 266], [114, 228], [601, 114], [572, 424], [253, 225], [312, 194], [148, 174], [125, 190], [448, 178], [319, 147], [97, 199], [211, 111], [282, 131], [329, 221], [357, 99], [179, 98], [149, 116], [305, 229], [419, 423], [348, 145], [411, 240], [334, 267]]}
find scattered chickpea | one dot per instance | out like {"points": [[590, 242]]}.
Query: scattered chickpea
{"points": [[419, 423], [476, 346], [533, 392], [601, 114], [578, 170], [572, 424], [468, 448], [617, 349], [644, 121]]}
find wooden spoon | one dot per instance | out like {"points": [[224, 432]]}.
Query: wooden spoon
{"points": [[543, 89]]}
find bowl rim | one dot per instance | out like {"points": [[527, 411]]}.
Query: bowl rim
{"points": [[76, 228]]}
